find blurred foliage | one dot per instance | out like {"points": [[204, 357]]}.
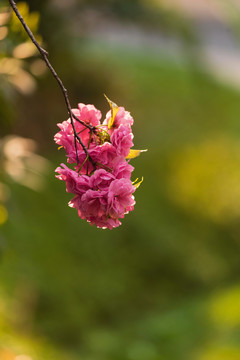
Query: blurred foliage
{"points": [[147, 13], [206, 178], [165, 285], [131, 294], [18, 65]]}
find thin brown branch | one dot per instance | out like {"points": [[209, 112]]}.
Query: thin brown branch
{"points": [[44, 55]]}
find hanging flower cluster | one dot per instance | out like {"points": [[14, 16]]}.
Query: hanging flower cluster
{"points": [[100, 154]]}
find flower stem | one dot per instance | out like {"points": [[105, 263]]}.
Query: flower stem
{"points": [[44, 55]]}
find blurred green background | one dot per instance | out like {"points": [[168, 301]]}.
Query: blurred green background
{"points": [[166, 284]]}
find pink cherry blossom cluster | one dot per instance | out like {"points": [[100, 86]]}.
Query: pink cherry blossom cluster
{"points": [[102, 187]]}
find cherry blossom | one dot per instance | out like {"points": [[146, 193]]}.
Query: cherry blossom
{"points": [[101, 176]]}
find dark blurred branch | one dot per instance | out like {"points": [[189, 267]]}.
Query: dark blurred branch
{"points": [[44, 55]]}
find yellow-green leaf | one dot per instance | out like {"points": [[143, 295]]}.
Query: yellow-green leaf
{"points": [[114, 110], [134, 153]]}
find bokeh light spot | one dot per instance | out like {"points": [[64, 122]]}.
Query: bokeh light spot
{"points": [[3, 214], [205, 179], [224, 307], [23, 357], [3, 32], [220, 353], [24, 50], [38, 67]]}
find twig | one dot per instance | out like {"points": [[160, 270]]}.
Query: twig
{"points": [[44, 55]]}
